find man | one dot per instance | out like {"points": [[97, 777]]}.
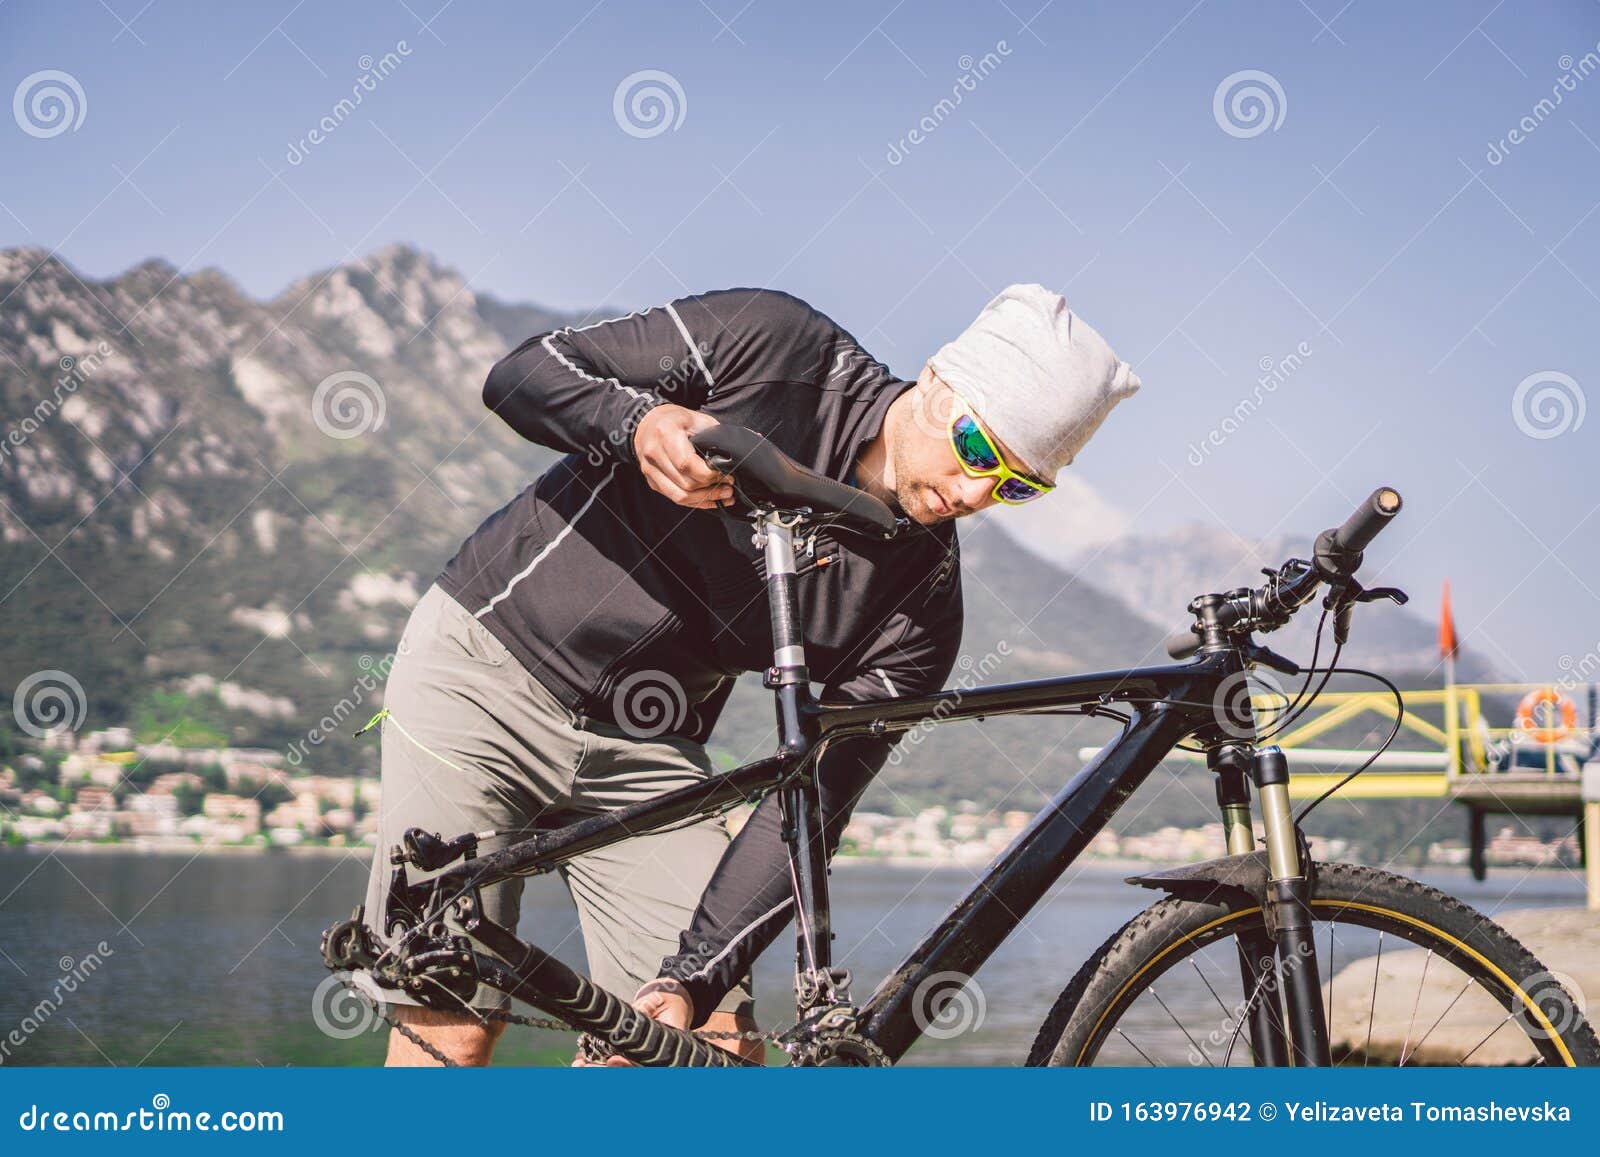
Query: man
{"points": [[576, 652]]}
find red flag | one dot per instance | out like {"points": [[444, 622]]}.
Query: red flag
{"points": [[1448, 643]]}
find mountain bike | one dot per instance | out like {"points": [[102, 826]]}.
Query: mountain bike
{"points": [[1267, 926]]}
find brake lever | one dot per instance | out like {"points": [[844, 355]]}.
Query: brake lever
{"points": [[1344, 599], [1373, 594]]}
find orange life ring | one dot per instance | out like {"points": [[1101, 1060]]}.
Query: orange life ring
{"points": [[1528, 715]]}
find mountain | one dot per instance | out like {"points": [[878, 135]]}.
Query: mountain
{"points": [[216, 512], [195, 483], [1157, 573], [1160, 573]]}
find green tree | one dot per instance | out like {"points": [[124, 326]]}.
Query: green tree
{"points": [[191, 800]]}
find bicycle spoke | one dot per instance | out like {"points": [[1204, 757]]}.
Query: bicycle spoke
{"points": [[1412, 1023], [1244, 1017], [1209, 989], [1181, 1029], [1485, 1040], [1471, 980], [1136, 1048], [1372, 1009]]}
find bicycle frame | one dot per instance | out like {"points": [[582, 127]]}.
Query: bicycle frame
{"points": [[1162, 705]]}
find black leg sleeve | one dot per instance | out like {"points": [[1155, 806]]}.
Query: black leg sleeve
{"points": [[750, 898]]}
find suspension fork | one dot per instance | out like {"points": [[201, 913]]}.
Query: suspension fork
{"points": [[1289, 888], [1269, 1043], [817, 982]]}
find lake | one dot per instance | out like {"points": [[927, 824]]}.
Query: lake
{"points": [[212, 959]]}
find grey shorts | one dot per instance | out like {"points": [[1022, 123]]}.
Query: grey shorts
{"points": [[474, 743]]}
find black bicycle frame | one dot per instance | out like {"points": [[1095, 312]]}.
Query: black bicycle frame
{"points": [[1161, 705]]}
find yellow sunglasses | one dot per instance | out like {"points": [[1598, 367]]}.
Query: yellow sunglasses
{"points": [[976, 451]]}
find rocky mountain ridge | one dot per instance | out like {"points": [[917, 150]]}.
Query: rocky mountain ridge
{"points": [[215, 512]]}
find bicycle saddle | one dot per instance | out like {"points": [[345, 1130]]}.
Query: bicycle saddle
{"points": [[767, 476]]}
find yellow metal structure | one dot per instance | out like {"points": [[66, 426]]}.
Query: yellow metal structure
{"points": [[1444, 738]]}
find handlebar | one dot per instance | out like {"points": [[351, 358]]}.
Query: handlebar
{"points": [[1182, 643], [1337, 556], [1369, 518]]}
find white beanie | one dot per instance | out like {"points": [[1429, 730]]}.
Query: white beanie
{"points": [[1040, 378]]}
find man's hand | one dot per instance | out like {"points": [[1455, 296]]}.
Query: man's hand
{"points": [[670, 1008], [659, 1001], [670, 463]]}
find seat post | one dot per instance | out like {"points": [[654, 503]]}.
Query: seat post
{"points": [[817, 983], [788, 674]]}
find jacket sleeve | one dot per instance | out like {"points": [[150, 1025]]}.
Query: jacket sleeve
{"points": [[749, 899], [584, 390]]}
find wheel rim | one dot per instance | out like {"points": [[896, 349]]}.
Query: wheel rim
{"points": [[1429, 998]]}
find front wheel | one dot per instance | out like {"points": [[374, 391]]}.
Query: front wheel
{"points": [[1410, 976]]}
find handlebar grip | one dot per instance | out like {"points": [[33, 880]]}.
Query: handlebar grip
{"points": [[1372, 516], [1182, 643]]}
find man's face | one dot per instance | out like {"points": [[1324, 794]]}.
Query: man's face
{"points": [[929, 483]]}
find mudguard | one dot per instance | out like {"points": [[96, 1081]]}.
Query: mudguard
{"points": [[1231, 882], [1241, 877]]}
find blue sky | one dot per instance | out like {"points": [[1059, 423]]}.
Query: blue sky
{"points": [[1368, 225]]}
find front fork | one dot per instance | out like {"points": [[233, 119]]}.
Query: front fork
{"points": [[1295, 1032]]}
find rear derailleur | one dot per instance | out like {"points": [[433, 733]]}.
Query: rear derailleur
{"points": [[427, 960]]}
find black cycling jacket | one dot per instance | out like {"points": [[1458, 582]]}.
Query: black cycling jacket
{"points": [[608, 592]]}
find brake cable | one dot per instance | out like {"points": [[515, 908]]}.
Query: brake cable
{"points": [[1294, 711], [1394, 730], [1316, 649]]}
